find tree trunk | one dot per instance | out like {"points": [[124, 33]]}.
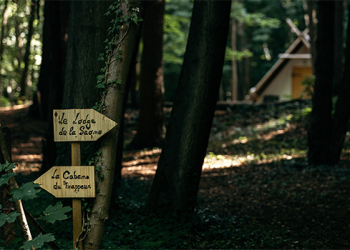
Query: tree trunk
{"points": [[234, 61], [319, 136], [176, 182], [87, 31], [24, 77], [51, 80], [113, 103], [150, 123], [131, 79], [3, 27], [86, 34], [342, 110], [338, 45]]}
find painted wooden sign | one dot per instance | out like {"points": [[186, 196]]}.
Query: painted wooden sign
{"points": [[73, 125], [69, 182]]}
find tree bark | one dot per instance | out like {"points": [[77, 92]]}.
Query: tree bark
{"points": [[150, 123], [176, 182], [86, 34], [51, 80], [23, 83], [338, 45], [3, 27], [234, 61], [113, 101], [87, 31], [341, 115], [131, 79], [320, 121]]}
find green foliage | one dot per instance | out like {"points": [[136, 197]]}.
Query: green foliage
{"points": [[25, 192], [11, 217], [236, 55], [308, 83], [38, 242], [113, 43], [240, 13], [5, 178], [15, 39], [57, 212]]}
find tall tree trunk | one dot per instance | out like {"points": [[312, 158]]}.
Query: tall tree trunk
{"points": [[176, 182], [234, 61], [19, 41], [113, 102], [2, 36], [341, 115], [320, 121], [51, 80], [338, 45], [150, 123], [129, 83], [87, 31], [86, 34], [23, 83]]}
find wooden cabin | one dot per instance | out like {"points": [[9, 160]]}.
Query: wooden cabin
{"points": [[283, 81]]}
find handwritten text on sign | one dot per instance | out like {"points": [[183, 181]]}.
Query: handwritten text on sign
{"points": [[80, 125], [69, 182]]}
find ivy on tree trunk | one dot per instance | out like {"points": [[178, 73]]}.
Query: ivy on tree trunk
{"points": [[116, 72]]}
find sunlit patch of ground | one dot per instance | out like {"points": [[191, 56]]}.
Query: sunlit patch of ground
{"points": [[27, 135]]}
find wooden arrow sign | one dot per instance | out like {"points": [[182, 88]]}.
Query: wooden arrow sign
{"points": [[70, 125], [69, 182]]}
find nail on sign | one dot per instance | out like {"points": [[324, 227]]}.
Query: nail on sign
{"points": [[72, 125]]}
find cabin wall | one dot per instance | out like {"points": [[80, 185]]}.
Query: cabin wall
{"points": [[281, 85]]}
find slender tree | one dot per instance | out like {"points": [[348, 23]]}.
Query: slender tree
{"points": [[150, 124], [33, 5], [2, 36], [320, 121], [176, 182], [118, 63]]}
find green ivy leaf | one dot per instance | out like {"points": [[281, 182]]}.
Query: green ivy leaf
{"points": [[57, 212], [11, 217], [100, 85], [100, 77], [38, 241], [98, 168], [134, 20], [7, 166], [119, 82], [5, 178], [25, 192], [98, 153]]}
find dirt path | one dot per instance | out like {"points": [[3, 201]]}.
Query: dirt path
{"points": [[27, 135]]}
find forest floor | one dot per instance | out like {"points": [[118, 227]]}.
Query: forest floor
{"points": [[256, 190]]}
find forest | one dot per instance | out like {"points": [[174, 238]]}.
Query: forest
{"points": [[177, 124]]}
